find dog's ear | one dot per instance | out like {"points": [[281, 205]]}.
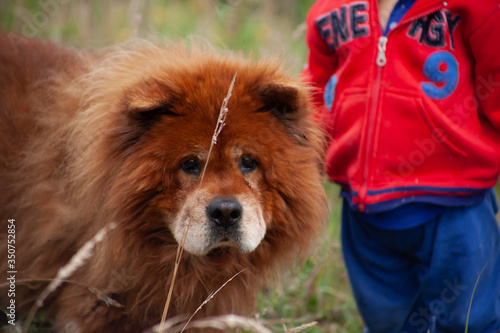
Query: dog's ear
{"points": [[287, 103], [146, 104], [143, 106], [282, 100]]}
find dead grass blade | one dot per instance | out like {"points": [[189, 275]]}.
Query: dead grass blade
{"points": [[301, 327], [230, 321], [209, 298], [77, 261], [175, 321], [221, 121], [472, 297], [105, 298]]}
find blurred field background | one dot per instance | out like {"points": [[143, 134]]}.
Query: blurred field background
{"points": [[318, 291]]}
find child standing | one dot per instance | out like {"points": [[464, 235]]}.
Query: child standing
{"points": [[409, 93]]}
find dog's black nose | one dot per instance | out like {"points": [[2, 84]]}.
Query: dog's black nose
{"points": [[224, 211]]}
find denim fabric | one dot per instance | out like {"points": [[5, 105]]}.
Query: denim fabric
{"points": [[423, 278]]}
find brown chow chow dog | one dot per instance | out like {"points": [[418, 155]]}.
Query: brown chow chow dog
{"points": [[122, 135]]}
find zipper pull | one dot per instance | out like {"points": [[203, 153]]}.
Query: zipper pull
{"points": [[382, 43]]}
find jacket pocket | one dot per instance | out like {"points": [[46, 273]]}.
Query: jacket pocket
{"points": [[439, 132], [412, 143], [345, 128], [348, 112]]}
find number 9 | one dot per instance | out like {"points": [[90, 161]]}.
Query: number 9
{"points": [[448, 77]]}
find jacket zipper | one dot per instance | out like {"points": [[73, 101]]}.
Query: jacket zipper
{"points": [[381, 61]]}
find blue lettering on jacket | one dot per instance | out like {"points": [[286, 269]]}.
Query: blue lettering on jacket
{"points": [[441, 68], [431, 29], [344, 24]]}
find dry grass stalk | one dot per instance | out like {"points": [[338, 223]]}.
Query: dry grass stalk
{"points": [[77, 261], [28, 281], [175, 321], [99, 294], [136, 16], [472, 297], [105, 298], [221, 121], [212, 295], [301, 327], [231, 321]]}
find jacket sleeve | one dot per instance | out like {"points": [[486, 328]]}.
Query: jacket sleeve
{"points": [[321, 60], [486, 50]]}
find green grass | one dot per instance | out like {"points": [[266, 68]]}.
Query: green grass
{"points": [[254, 27], [318, 291]]}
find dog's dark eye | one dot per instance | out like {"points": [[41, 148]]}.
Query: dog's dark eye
{"points": [[247, 164], [191, 166]]}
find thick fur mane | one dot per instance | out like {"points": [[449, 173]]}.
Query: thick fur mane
{"points": [[72, 161]]}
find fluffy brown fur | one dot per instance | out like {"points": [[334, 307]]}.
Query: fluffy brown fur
{"points": [[87, 138]]}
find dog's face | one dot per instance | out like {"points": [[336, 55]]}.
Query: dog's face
{"points": [[228, 196], [226, 209]]}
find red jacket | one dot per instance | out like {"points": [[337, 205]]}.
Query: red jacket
{"points": [[416, 116]]}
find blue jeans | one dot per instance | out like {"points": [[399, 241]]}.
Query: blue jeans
{"points": [[423, 278]]}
